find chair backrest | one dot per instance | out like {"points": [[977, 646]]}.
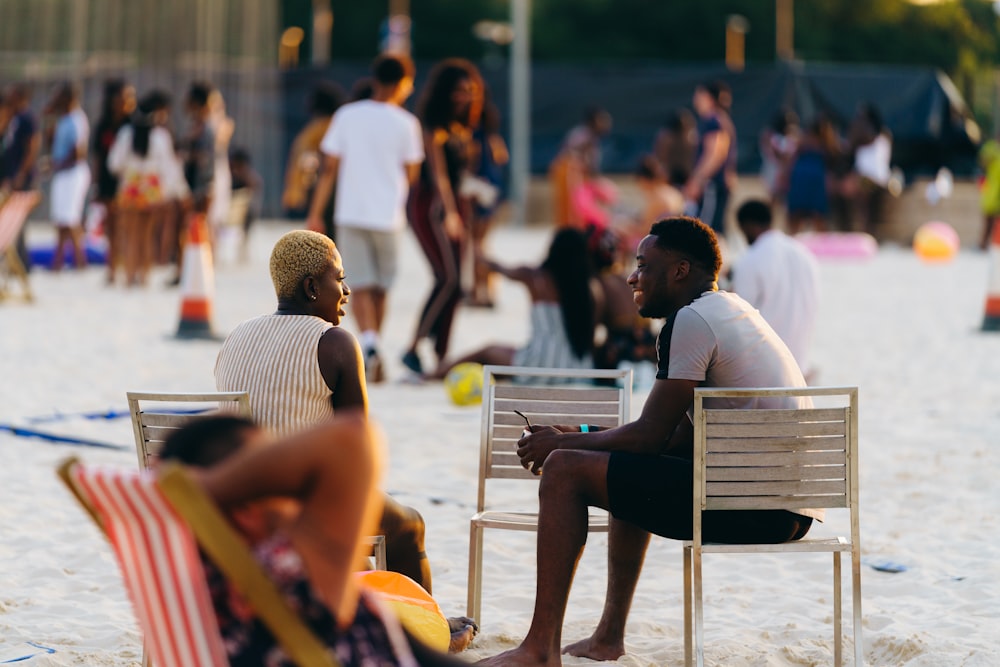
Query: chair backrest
{"points": [[159, 562], [155, 527], [576, 401], [767, 458], [153, 424], [14, 211]]}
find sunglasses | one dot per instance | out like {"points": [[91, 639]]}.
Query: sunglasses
{"points": [[526, 420]]}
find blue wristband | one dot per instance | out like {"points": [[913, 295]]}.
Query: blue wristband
{"points": [[584, 428]]}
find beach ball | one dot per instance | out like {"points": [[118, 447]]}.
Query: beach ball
{"points": [[414, 606], [936, 242], [464, 383]]}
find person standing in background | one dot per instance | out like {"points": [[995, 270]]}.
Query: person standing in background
{"points": [[449, 109], [302, 170], [707, 190], [372, 150], [143, 159], [222, 182], [492, 157], [117, 106], [70, 173], [578, 158], [20, 145], [197, 151], [779, 277]]}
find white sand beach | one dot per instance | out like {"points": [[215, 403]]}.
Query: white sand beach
{"points": [[905, 332]]}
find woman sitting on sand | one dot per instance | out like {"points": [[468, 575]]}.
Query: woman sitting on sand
{"points": [[562, 310], [302, 506]]}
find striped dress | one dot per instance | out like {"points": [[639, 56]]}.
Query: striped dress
{"points": [[275, 358], [549, 346]]}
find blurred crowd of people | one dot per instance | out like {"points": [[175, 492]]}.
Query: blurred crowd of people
{"points": [[132, 183]]}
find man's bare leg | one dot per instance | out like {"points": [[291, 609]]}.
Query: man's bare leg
{"points": [[626, 551], [572, 481]]}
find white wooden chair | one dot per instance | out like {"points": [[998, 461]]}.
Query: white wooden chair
{"points": [[155, 415], [775, 459], [155, 526], [578, 401]]}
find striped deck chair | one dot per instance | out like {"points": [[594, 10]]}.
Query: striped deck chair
{"points": [[155, 525], [14, 212]]}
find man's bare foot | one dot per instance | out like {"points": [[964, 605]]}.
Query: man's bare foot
{"points": [[463, 630], [521, 657], [594, 649]]}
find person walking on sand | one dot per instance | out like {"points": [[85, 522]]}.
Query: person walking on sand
{"points": [[70, 174], [20, 145], [449, 109], [373, 150], [642, 472]]}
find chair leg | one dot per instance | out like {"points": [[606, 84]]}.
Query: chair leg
{"points": [[699, 617], [859, 645], [838, 634], [687, 606], [474, 603]]}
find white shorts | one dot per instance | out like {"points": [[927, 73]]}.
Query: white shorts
{"points": [[369, 256], [68, 195]]}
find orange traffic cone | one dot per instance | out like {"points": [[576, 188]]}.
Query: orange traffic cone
{"points": [[991, 320], [197, 283]]}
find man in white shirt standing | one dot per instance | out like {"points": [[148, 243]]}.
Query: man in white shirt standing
{"points": [[779, 277], [373, 149]]}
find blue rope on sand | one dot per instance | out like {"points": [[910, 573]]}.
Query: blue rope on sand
{"points": [[104, 414], [59, 439], [12, 654]]}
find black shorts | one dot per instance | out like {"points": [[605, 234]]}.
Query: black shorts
{"points": [[656, 494]]}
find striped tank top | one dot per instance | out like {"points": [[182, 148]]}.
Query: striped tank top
{"points": [[276, 359]]}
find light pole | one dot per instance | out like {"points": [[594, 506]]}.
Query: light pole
{"points": [[784, 30], [520, 104]]}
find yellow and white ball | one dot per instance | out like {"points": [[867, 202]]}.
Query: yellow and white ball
{"points": [[464, 383]]}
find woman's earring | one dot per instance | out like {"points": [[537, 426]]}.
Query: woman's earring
{"points": [[312, 297]]}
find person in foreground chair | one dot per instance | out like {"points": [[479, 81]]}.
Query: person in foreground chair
{"points": [[641, 472], [303, 508]]}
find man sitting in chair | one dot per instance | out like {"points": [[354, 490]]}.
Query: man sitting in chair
{"points": [[642, 472], [303, 507]]}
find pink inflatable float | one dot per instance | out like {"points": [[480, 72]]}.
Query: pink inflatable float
{"points": [[839, 245]]}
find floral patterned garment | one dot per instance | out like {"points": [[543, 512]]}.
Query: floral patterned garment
{"points": [[375, 639]]}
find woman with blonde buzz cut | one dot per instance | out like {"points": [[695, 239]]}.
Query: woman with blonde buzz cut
{"points": [[300, 367]]}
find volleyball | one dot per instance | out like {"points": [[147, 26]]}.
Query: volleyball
{"points": [[936, 242], [464, 383]]}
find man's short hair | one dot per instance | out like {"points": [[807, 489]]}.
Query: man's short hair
{"points": [[690, 237], [754, 212], [391, 68], [298, 254], [204, 441]]}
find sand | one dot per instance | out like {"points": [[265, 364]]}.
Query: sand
{"points": [[905, 332]]}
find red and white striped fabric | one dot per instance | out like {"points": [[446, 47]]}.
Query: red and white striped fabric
{"points": [[160, 563], [13, 213]]}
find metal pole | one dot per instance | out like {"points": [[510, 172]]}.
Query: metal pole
{"points": [[520, 97], [784, 28]]}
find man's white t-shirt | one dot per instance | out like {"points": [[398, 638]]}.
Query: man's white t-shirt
{"points": [[720, 340], [374, 142], [780, 277]]}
